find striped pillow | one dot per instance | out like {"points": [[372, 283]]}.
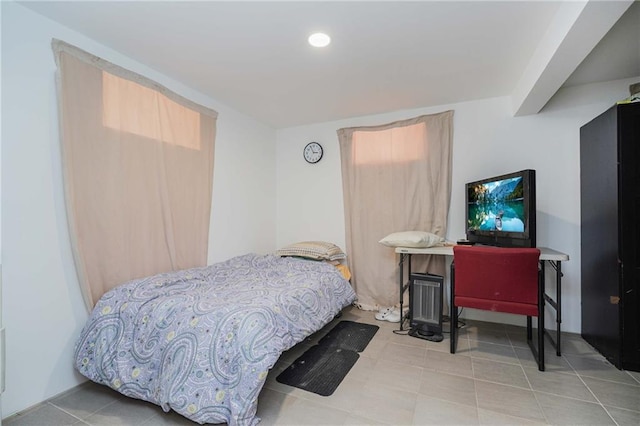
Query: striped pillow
{"points": [[317, 250]]}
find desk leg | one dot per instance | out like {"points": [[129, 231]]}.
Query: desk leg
{"points": [[559, 303], [401, 268], [403, 257], [555, 304], [405, 288]]}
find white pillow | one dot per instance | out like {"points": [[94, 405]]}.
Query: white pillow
{"points": [[416, 239]]}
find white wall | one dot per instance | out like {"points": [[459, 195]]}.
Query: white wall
{"points": [[42, 307], [1, 314], [487, 141]]}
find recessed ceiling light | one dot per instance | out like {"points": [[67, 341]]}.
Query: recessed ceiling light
{"points": [[319, 40]]}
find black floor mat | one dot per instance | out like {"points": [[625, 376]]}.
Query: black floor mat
{"points": [[350, 335], [323, 367], [319, 370]]}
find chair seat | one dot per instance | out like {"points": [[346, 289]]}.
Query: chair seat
{"points": [[498, 306]]}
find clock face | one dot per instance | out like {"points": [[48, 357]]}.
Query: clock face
{"points": [[313, 152]]}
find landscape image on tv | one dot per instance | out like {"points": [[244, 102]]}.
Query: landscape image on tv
{"points": [[496, 206]]}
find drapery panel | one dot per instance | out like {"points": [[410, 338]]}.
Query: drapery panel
{"points": [[138, 172], [395, 177]]}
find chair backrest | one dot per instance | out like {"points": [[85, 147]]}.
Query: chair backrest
{"points": [[508, 275]]}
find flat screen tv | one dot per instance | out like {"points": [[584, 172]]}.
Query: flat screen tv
{"points": [[501, 210]]}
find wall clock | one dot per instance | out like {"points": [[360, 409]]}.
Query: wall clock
{"points": [[312, 152]]}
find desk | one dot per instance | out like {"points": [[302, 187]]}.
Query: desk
{"points": [[547, 255]]}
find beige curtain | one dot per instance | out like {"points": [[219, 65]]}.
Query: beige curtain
{"points": [[138, 170], [396, 177]]}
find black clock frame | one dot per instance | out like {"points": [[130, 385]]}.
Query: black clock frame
{"points": [[305, 149]]}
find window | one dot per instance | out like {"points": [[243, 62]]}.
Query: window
{"points": [[131, 107], [389, 146]]}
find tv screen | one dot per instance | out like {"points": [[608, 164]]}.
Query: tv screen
{"points": [[501, 210]]}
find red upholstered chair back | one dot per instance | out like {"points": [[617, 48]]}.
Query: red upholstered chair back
{"points": [[497, 279]]}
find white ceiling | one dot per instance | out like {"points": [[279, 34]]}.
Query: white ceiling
{"points": [[384, 56], [616, 56]]}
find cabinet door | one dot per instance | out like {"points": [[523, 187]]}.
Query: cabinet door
{"points": [[629, 158], [599, 234]]}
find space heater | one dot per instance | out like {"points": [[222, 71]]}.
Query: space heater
{"points": [[425, 295]]}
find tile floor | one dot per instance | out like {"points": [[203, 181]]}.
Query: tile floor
{"points": [[402, 380]]}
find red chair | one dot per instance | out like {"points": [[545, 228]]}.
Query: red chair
{"points": [[500, 280]]}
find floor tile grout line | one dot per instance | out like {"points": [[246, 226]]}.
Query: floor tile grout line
{"points": [[583, 382], [594, 394], [600, 378], [64, 411], [625, 409], [504, 384], [494, 360], [612, 381], [637, 379], [448, 401], [597, 402], [544, 413], [516, 417], [89, 415], [475, 390], [522, 368], [588, 388], [527, 377], [609, 414]]}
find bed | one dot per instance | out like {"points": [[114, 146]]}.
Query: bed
{"points": [[201, 341]]}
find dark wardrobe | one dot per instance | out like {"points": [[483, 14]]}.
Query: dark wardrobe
{"points": [[610, 234]]}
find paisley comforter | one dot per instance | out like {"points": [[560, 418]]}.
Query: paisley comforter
{"points": [[201, 341]]}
